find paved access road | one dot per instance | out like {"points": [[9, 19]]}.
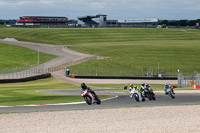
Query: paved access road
{"points": [[64, 55], [122, 100]]}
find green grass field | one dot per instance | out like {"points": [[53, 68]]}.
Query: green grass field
{"points": [[131, 49], [26, 93], [68, 36], [12, 56]]}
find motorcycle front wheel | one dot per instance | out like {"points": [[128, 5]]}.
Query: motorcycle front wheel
{"points": [[172, 95], [149, 97], [136, 97], [88, 100], [98, 100], [153, 96]]}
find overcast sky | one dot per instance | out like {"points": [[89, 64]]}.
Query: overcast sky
{"points": [[115, 9]]}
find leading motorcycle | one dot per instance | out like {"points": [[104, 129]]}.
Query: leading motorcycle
{"points": [[90, 98]]}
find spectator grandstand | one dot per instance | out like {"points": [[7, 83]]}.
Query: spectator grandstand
{"points": [[42, 21]]}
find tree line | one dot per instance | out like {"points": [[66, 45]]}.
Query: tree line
{"points": [[179, 22]]}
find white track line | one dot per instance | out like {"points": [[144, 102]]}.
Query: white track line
{"points": [[36, 105]]}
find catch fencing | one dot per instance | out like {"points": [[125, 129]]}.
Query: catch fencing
{"points": [[188, 81], [22, 72], [129, 72]]}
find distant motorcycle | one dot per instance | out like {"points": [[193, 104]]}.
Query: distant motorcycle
{"points": [[90, 98], [169, 91], [148, 93]]}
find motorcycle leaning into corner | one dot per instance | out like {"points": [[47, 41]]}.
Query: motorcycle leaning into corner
{"points": [[148, 93], [136, 93], [169, 91], [89, 96]]}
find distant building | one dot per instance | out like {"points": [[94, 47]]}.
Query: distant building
{"points": [[42, 21], [101, 21], [93, 21], [136, 23]]}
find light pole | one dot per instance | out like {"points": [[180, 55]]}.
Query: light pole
{"points": [[158, 68], [38, 56]]}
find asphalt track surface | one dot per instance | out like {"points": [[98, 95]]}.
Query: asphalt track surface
{"points": [[121, 101]]}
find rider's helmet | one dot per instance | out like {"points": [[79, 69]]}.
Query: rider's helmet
{"points": [[131, 85], [83, 86], [135, 87], [167, 85], [143, 84]]}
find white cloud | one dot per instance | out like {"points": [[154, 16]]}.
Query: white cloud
{"points": [[115, 9]]}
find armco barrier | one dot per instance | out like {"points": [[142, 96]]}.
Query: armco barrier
{"points": [[113, 77], [42, 76]]}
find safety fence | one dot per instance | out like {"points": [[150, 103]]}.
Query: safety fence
{"points": [[22, 72], [188, 81], [129, 72]]}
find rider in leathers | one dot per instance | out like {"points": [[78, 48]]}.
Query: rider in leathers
{"points": [[84, 86], [143, 86]]}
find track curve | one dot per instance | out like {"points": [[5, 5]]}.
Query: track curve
{"points": [[121, 101]]}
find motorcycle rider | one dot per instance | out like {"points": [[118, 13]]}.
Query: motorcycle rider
{"points": [[84, 87], [143, 86], [125, 87], [131, 87], [140, 90], [168, 86]]}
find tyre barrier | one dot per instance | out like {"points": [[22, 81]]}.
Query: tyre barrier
{"points": [[42, 76]]}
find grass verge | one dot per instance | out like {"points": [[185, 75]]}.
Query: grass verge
{"points": [[27, 93]]}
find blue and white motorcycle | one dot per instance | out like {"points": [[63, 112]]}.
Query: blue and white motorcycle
{"points": [[169, 91]]}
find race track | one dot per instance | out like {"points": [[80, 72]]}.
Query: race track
{"points": [[121, 101]]}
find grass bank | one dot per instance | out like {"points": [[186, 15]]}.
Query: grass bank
{"points": [[66, 36], [13, 56]]}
